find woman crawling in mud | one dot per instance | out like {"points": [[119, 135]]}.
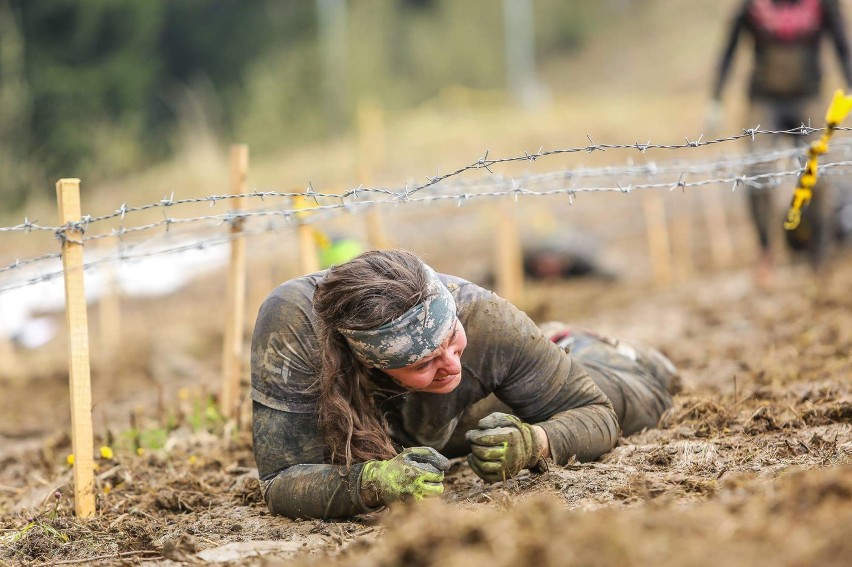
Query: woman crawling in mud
{"points": [[368, 376]]}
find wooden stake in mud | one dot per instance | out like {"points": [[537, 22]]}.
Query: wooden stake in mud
{"points": [[308, 254], [232, 349], [68, 198], [659, 249], [721, 249], [681, 229], [510, 268], [371, 151]]}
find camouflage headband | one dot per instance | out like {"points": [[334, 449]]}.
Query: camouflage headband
{"points": [[414, 335]]}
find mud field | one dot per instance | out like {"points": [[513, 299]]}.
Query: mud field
{"points": [[752, 466]]}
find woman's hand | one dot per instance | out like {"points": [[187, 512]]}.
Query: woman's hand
{"points": [[504, 445], [414, 474]]}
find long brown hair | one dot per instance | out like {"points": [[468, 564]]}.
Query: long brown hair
{"points": [[364, 293]]}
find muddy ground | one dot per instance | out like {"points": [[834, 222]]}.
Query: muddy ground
{"points": [[752, 466]]}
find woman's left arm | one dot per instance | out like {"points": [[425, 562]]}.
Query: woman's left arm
{"points": [[545, 387]]}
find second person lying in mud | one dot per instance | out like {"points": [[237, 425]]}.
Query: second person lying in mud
{"points": [[368, 376]]}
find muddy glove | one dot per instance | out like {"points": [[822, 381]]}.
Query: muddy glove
{"points": [[414, 474], [502, 446]]}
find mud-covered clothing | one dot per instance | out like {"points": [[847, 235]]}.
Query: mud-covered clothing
{"points": [[506, 355], [787, 37]]}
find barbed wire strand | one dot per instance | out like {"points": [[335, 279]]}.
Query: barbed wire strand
{"points": [[760, 180], [407, 191], [323, 213]]}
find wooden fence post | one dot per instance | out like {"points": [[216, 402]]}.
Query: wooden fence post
{"points": [[681, 230], [371, 150], [82, 439], [716, 221], [510, 268], [659, 248], [232, 349], [308, 254]]}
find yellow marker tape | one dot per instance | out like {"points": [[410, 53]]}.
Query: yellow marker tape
{"points": [[837, 111]]}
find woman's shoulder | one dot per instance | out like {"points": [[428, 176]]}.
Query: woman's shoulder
{"points": [[476, 303], [298, 288], [464, 291], [291, 297]]}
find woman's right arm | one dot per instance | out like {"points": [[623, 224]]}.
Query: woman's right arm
{"points": [[288, 445], [284, 444]]}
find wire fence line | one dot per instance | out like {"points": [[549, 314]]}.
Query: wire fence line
{"points": [[308, 216], [446, 188], [442, 180], [288, 218]]}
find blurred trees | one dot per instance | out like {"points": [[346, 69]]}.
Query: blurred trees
{"points": [[98, 88]]}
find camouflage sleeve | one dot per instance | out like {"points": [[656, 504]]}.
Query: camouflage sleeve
{"points": [[294, 481], [542, 384], [288, 445]]}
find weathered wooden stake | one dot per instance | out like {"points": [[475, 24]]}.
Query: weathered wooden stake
{"points": [[681, 228], [371, 152], [719, 236], [232, 349], [659, 249], [76, 321], [510, 268], [308, 254]]}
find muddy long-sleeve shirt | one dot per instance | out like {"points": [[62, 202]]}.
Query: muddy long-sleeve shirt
{"points": [[506, 355], [787, 37]]}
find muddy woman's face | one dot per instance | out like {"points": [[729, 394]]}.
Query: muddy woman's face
{"points": [[440, 371]]}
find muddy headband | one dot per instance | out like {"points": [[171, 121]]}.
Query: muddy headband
{"points": [[411, 336]]}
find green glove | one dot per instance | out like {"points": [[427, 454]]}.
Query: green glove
{"points": [[414, 474], [502, 446]]}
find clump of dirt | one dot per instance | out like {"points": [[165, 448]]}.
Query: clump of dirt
{"points": [[801, 519], [698, 417]]}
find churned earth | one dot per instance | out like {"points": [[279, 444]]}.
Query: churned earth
{"points": [[752, 466]]}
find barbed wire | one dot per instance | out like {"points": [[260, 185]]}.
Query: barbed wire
{"points": [[760, 180], [18, 264], [407, 190], [653, 169], [321, 213]]}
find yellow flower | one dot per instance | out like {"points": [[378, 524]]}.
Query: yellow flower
{"points": [[106, 452], [140, 451], [70, 459]]}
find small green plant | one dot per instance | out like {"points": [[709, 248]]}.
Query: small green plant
{"points": [[205, 415]]}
